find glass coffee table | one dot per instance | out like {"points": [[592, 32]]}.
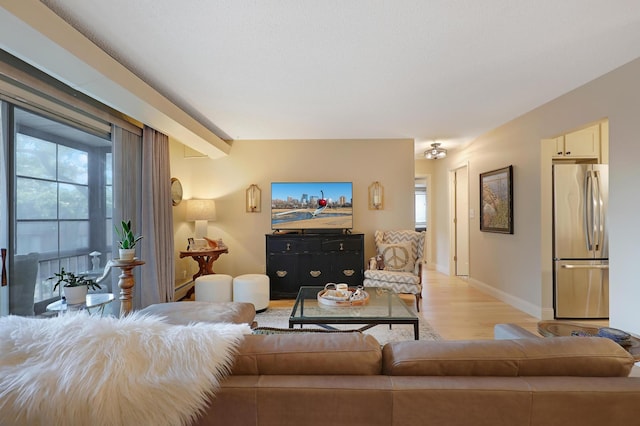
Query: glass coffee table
{"points": [[383, 307], [554, 328]]}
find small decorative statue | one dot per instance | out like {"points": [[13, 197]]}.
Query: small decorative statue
{"points": [[95, 260]]}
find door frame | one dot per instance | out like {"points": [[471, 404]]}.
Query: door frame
{"points": [[453, 226], [428, 258]]}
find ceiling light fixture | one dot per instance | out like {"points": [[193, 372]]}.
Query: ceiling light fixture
{"points": [[435, 153]]}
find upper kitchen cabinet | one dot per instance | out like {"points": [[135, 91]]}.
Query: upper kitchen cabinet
{"points": [[584, 143]]}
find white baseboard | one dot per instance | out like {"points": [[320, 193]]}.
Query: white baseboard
{"points": [[516, 302], [548, 314], [442, 269]]}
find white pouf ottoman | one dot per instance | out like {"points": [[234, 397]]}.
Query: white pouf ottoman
{"points": [[252, 288], [214, 288]]}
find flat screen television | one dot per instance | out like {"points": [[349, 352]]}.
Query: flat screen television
{"points": [[311, 205]]}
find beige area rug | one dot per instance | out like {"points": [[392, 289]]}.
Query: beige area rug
{"points": [[279, 317]]}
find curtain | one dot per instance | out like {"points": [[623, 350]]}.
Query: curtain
{"points": [[4, 209], [157, 220], [142, 194], [127, 199]]}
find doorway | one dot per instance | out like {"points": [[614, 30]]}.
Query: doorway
{"points": [[459, 184], [421, 204], [422, 191]]}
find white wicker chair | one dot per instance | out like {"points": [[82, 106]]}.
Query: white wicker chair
{"points": [[403, 255]]}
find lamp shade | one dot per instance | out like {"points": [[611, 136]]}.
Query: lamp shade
{"points": [[201, 210]]}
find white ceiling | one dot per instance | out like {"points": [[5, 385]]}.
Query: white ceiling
{"points": [[445, 70]]}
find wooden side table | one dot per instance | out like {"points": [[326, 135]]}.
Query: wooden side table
{"points": [[205, 259], [126, 283]]}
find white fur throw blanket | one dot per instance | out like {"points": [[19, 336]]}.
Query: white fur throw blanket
{"points": [[80, 369]]}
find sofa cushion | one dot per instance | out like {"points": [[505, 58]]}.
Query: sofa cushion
{"points": [[183, 313], [558, 356], [310, 354], [402, 278]]}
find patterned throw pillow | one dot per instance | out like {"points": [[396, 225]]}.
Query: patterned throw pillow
{"points": [[397, 257]]}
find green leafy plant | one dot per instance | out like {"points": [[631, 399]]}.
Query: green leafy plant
{"points": [[128, 240], [69, 279]]}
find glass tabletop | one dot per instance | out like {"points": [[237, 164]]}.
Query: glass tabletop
{"points": [[554, 328], [382, 305], [93, 300]]}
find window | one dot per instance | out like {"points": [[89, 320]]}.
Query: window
{"points": [[108, 194], [52, 197], [62, 197]]}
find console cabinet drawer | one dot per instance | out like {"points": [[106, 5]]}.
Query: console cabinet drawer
{"points": [[292, 245], [284, 274], [312, 259], [342, 244]]}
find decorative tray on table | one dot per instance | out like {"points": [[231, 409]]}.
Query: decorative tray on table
{"points": [[341, 295]]}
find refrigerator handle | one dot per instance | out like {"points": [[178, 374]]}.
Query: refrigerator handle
{"points": [[580, 266], [588, 210], [598, 219]]}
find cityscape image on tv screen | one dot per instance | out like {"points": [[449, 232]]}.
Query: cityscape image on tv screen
{"points": [[311, 205]]}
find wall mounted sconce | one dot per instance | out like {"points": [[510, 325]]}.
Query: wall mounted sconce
{"points": [[254, 199], [376, 196], [200, 212]]}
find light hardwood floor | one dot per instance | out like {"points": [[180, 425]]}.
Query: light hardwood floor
{"points": [[459, 311]]}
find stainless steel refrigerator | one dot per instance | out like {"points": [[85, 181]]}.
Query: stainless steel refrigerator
{"points": [[580, 250]]}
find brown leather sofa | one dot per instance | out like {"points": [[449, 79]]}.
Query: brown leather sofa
{"points": [[348, 379], [309, 379]]}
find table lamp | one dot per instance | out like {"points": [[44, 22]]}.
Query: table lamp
{"points": [[201, 211]]}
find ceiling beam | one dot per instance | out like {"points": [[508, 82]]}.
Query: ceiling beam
{"points": [[33, 33]]}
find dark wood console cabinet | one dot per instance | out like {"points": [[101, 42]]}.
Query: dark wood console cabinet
{"points": [[294, 260]]}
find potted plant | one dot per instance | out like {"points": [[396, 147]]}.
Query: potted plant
{"points": [[128, 240], [75, 287]]}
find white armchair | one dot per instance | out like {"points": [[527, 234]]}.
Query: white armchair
{"points": [[402, 253]]}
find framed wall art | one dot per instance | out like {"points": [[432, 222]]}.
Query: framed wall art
{"points": [[496, 201]]}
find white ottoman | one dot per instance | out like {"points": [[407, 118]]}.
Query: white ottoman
{"points": [[252, 288], [214, 288]]}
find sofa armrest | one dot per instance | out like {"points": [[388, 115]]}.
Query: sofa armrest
{"points": [[183, 313], [512, 331], [417, 270]]}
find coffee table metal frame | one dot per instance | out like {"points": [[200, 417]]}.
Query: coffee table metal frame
{"points": [[384, 307]]}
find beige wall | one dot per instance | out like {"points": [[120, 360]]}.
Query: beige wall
{"points": [[511, 266], [261, 162]]}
